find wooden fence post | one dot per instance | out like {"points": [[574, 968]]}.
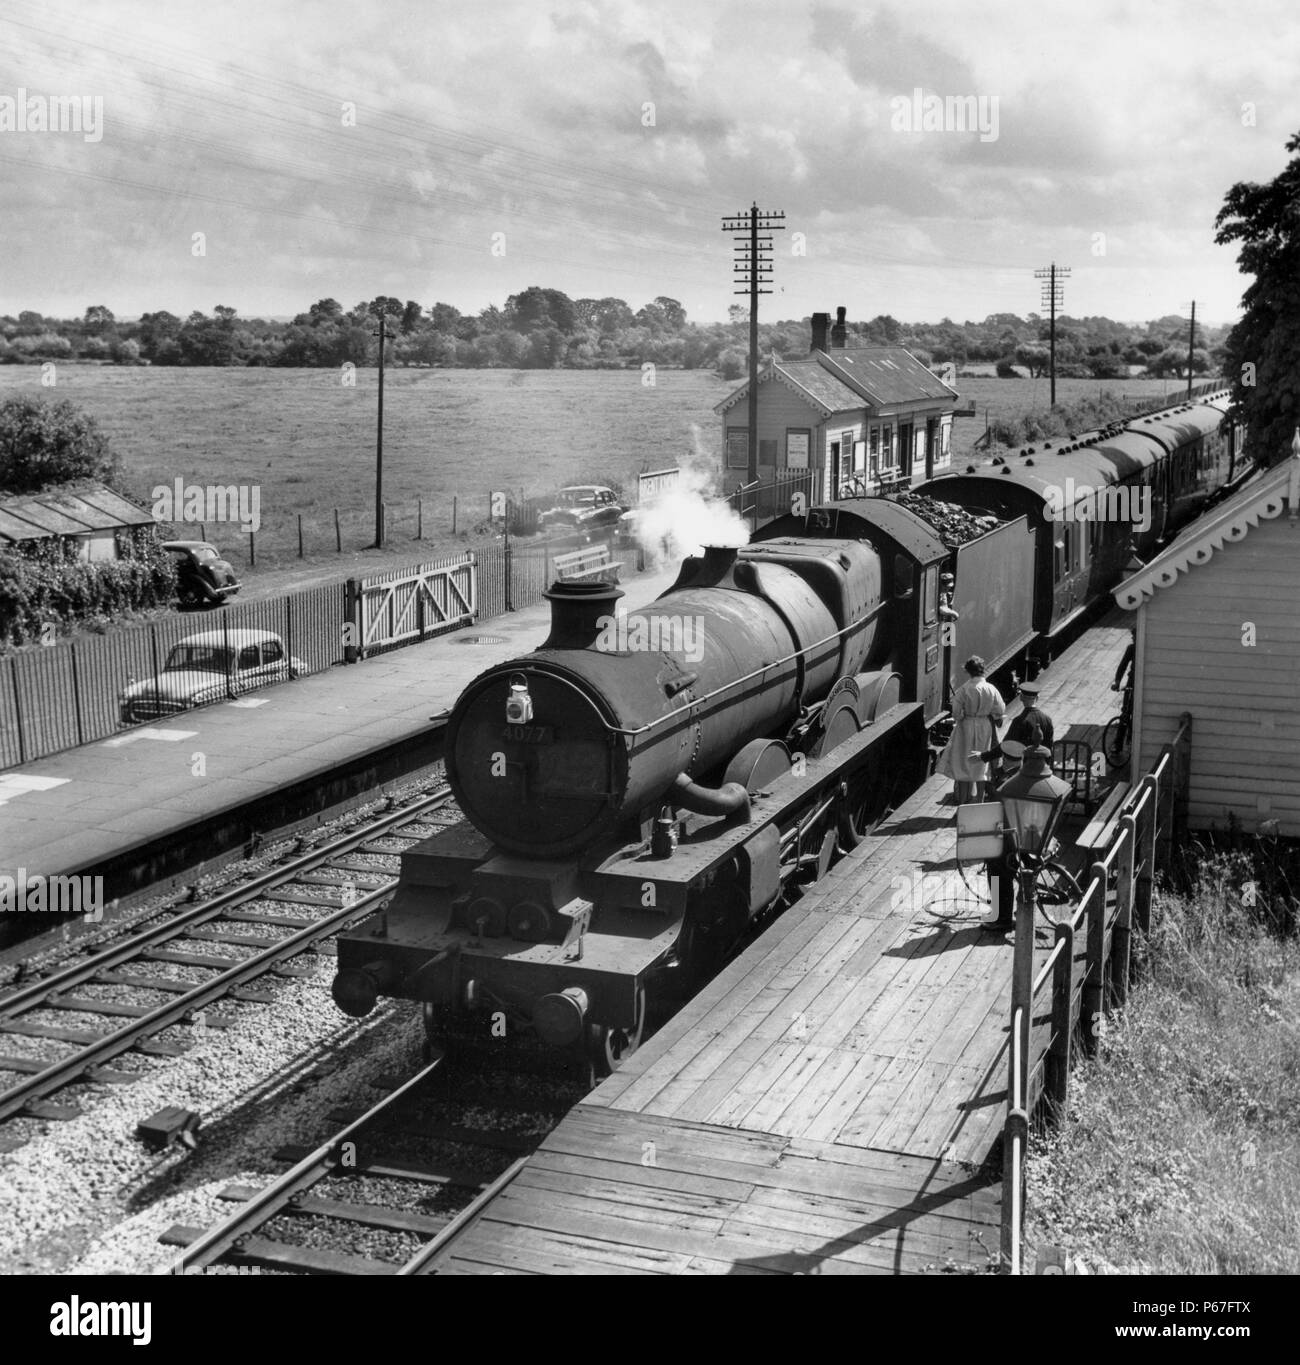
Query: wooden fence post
{"points": [[1057, 1064], [299, 535], [1120, 958], [454, 500], [419, 518], [1094, 1003], [338, 535], [252, 549], [1146, 855]]}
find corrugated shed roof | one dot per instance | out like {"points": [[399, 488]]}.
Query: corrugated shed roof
{"points": [[37, 516]]}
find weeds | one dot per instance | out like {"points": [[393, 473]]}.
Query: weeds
{"points": [[1178, 1153]]}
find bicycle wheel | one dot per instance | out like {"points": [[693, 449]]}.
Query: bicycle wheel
{"points": [[1055, 885], [1115, 741]]}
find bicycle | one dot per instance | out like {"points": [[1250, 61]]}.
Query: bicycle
{"points": [[1117, 738], [853, 489]]}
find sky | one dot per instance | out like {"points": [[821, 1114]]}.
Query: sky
{"points": [[461, 152]]}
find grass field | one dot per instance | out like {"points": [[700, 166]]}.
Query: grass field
{"points": [[309, 443], [995, 399]]}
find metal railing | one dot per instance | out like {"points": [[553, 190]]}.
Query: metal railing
{"points": [[759, 502], [1117, 897], [68, 694]]}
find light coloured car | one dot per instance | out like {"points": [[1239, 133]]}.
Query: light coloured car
{"points": [[208, 667]]}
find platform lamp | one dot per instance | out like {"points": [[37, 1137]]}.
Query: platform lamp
{"points": [[1032, 800]]}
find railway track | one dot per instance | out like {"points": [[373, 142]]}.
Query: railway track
{"points": [[201, 953], [364, 1202]]}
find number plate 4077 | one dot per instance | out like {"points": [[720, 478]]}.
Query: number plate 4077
{"points": [[531, 734]]}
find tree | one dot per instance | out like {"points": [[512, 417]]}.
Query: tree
{"points": [[1263, 349], [98, 319], [444, 318], [43, 444], [537, 307], [412, 316], [1034, 358]]}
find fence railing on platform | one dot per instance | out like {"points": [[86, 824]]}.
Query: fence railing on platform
{"points": [[69, 693], [1116, 899], [759, 502]]}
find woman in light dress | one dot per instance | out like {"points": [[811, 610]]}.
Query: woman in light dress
{"points": [[977, 711]]}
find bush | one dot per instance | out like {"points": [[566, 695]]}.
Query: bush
{"points": [[1007, 370], [49, 583], [42, 444]]}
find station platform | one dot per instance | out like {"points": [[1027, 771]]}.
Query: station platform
{"points": [[832, 1103], [137, 805]]}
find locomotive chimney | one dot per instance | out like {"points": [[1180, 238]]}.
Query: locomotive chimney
{"points": [[576, 612], [839, 333], [821, 325]]}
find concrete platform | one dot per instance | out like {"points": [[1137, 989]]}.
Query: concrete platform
{"points": [[159, 798]]}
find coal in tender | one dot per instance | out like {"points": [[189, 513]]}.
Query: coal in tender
{"points": [[954, 525]]}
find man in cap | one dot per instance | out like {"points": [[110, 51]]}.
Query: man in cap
{"points": [[1031, 727]]}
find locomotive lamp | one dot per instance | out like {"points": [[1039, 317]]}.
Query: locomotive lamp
{"points": [[519, 704]]}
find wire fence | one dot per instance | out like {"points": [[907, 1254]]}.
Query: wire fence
{"points": [[79, 691]]}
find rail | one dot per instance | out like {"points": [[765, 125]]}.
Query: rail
{"points": [[1117, 900]]}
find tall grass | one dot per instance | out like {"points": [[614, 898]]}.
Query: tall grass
{"points": [[1179, 1152]]}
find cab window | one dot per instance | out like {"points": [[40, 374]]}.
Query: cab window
{"points": [[931, 595]]}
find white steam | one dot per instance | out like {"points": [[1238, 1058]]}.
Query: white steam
{"points": [[690, 516]]}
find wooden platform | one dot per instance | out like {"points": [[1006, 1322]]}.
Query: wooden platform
{"points": [[832, 1102]]}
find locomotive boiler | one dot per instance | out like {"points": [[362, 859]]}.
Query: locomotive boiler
{"points": [[641, 788]]}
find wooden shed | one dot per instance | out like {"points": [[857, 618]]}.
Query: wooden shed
{"points": [[871, 414], [1218, 635]]}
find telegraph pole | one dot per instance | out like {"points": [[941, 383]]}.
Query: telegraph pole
{"points": [[1191, 348], [752, 269], [379, 441], [1053, 296]]}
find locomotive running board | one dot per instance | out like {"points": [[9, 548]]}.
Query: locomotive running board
{"points": [[622, 881]]}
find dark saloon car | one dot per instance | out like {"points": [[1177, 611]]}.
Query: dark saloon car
{"points": [[202, 576], [583, 507]]}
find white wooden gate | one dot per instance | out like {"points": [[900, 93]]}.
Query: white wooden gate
{"points": [[402, 605]]}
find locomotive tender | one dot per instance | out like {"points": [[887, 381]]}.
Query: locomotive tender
{"points": [[637, 797]]}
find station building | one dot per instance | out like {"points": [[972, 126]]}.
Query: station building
{"points": [[871, 414], [1218, 635]]}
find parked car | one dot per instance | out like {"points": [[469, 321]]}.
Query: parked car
{"points": [[583, 507], [202, 576], [207, 667]]}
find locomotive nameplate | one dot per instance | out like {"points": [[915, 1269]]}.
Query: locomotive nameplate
{"points": [[531, 734]]}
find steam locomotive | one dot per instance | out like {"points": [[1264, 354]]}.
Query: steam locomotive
{"points": [[643, 788]]}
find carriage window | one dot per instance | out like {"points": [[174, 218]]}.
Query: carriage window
{"points": [[1058, 558], [902, 576]]}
